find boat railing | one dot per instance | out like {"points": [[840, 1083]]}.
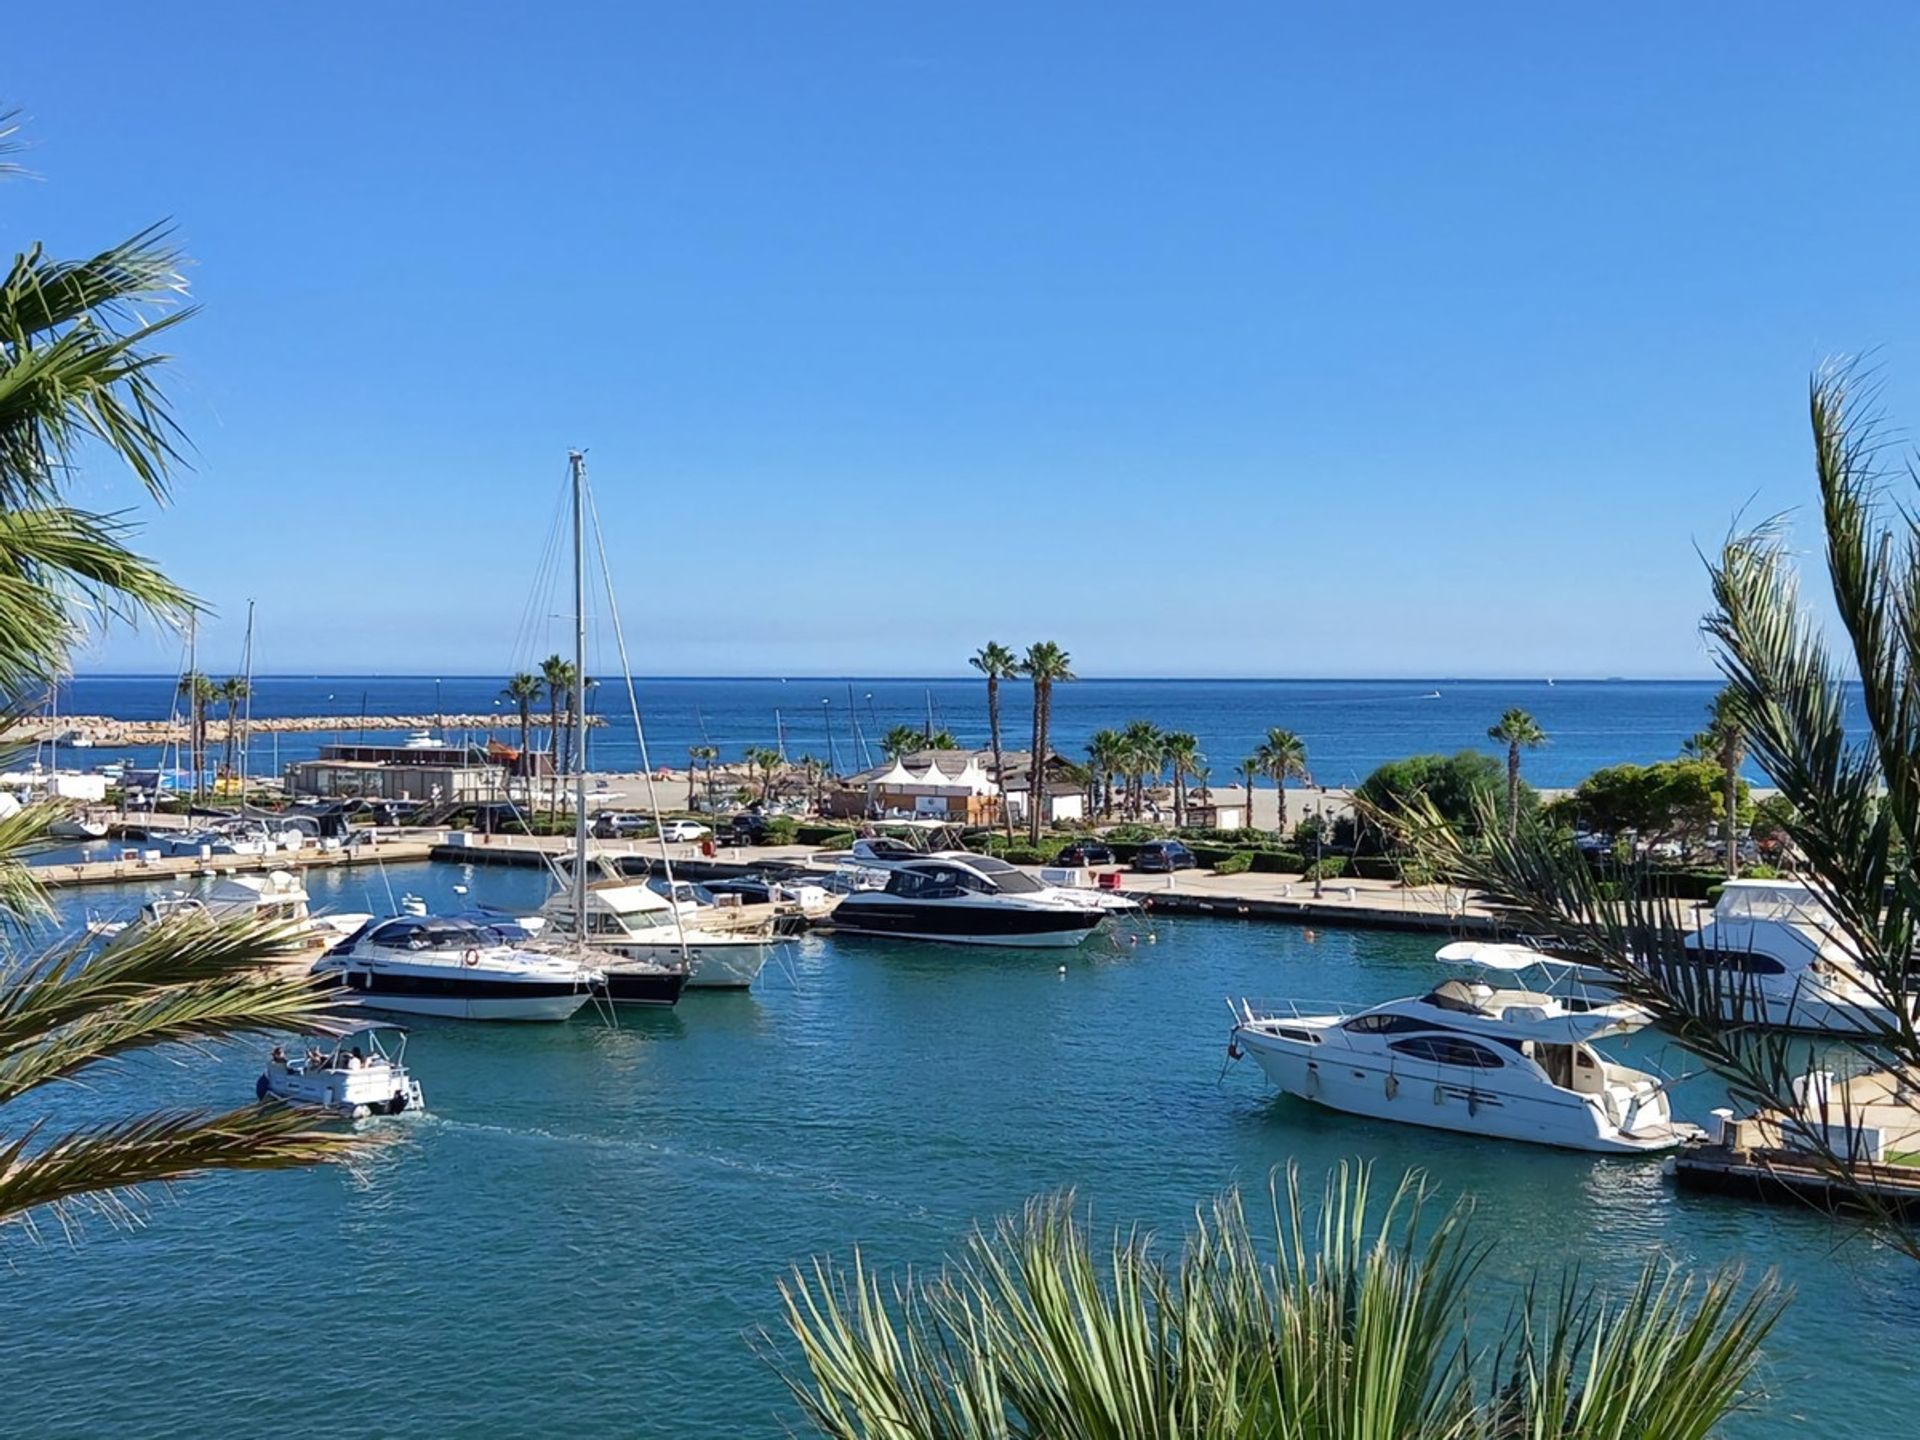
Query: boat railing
{"points": [[1256, 1008]]}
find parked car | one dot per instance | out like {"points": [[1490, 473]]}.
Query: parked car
{"points": [[680, 831], [613, 825], [1087, 852], [746, 828], [1164, 855]]}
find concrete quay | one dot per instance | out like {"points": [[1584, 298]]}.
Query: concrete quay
{"points": [[123, 871]]}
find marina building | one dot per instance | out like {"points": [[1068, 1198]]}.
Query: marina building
{"points": [[956, 786], [424, 771]]}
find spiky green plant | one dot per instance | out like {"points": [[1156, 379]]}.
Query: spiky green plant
{"points": [[1356, 1329]]}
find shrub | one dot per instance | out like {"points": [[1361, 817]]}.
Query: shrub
{"points": [[1278, 862], [1022, 855], [781, 830], [1760, 872], [827, 837], [1234, 864], [1134, 834], [1330, 867]]}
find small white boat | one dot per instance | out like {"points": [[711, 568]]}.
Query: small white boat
{"points": [[1505, 1064], [278, 895], [77, 827], [352, 1075]]}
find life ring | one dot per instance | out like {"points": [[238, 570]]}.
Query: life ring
{"points": [[471, 958]]}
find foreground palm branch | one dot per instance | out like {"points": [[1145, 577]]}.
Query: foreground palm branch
{"points": [[1357, 1328], [74, 1008], [1855, 798]]}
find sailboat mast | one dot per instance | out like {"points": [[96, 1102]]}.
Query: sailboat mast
{"points": [[193, 704], [246, 699], [577, 462]]}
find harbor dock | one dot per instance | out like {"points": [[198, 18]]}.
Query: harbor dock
{"points": [[133, 864]]}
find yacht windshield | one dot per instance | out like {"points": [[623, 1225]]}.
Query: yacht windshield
{"points": [[1009, 879], [1794, 904], [433, 934]]}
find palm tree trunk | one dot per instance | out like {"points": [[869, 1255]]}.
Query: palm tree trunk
{"points": [[1280, 796], [1730, 804], [1513, 789], [1036, 784], [999, 768]]}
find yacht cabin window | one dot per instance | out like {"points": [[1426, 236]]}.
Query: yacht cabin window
{"points": [[1447, 1050]]}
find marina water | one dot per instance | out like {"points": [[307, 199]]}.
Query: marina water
{"points": [[585, 1234], [1350, 726]]}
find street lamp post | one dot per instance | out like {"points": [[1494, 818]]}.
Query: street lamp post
{"points": [[1319, 839]]}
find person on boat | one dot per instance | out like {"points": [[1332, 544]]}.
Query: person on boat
{"points": [[278, 1059]]}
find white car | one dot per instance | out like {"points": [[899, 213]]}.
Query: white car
{"points": [[683, 830]]}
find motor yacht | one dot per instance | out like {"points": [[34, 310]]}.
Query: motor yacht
{"points": [[968, 899], [457, 969], [352, 1074], [1506, 1064], [278, 895], [647, 947], [1769, 955]]}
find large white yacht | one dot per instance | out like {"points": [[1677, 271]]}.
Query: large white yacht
{"points": [[968, 899], [1769, 955], [456, 969], [1507, 1064], [278, 896], [637, 936]]}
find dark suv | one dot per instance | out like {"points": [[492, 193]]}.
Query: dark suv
{"points": [[1164, 855], [746, 828], [1086, 852]]}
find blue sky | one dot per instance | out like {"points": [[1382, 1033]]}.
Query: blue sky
{"points": [[1208, 339]]}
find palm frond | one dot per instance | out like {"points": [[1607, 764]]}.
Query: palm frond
{"points": [[75, 364], [1357, 1329], [107, 1166]]}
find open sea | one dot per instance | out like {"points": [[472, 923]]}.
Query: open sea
{"points": [[584, 1235], [1350, 726]]}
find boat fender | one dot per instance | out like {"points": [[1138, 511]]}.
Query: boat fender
{"points": [[1234, 1052], [1313, 1078], [471, 958], [399, 1102], [261, 1089], [1473, 1104], [1439, 1096], [1393, 1086]]}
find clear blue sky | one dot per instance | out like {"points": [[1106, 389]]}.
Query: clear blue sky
{"points": [[1240, 339]]}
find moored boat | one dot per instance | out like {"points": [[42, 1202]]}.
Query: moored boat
{"points": [[454, 969]]}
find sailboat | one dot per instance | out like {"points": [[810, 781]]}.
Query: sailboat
{"points": [[630, 976], [74, 824]]}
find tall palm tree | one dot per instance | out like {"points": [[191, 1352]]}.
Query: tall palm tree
{"points": [[703, 756], [1726, 739], [1283, 757], [556, 674], [1356, 1327], [1517, 730], [1106, 753], [80, 380], [1249, 768], [523, 690], [233, 692], [1183, 754], [766, 760], [1045, 665], [997, 663], [1145, 749]]}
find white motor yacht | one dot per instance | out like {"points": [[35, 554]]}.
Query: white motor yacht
{"points": [[1769, 954], [1507, 1064], [648, 948], [458, 969], [278, 895], [352, 1075]]}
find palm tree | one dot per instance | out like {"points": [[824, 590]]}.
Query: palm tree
{"points": [[523, 690], [79, 379], [1145, 751], [556, 673], [1282, 756], [1356, 1327], [233, 692], [1106, 753], [812, 770], [901, 740], [703, 756], [1046, 665], [997, 663], [766, 760], [1183, 754], [1516, 730], [1725, 739]]}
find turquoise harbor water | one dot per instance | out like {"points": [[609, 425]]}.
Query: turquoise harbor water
{"points": [[585, 1234]]}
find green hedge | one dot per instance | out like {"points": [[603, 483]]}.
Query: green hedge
{"points": [[827, 837], [1278, 862], [1234, 864], [1330, 867], [781, 830]]}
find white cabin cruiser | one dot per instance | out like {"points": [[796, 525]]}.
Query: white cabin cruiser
{"points": [[648, 948], [456, 969], [278, 896], [967, 899], [351, 1075], [1507, 1064], [1774, 955]]}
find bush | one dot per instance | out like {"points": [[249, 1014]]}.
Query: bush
{"points": [[1234, 864], [1278, 862], [1023, 855], [827, 837], [1330, 867], [1133, 834], [781, 830]]}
